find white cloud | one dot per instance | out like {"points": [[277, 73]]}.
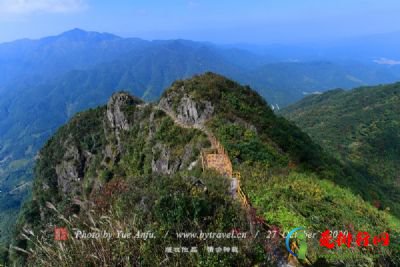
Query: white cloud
{"points": [[17, 7], [386, 61]]}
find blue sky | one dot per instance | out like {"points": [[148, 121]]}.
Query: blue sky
{"points": [[221, 21]]}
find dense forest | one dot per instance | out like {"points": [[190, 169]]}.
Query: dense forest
{"points": [[360, 128]]}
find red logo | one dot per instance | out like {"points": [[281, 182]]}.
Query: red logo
{"points": [[362, 239], [60, 234]]}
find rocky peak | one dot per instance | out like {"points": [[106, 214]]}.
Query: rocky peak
{"points": [[70, 170], [115, 110], [185, 108]]}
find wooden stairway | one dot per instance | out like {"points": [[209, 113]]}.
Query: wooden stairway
{"points": [[216, 158]]}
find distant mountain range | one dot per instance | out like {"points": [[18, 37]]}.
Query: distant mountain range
{"points": [[30, 62], [43, 83]]}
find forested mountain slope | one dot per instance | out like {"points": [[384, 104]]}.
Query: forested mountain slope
{"points": [[128, 165], [360, 127], [44, 82]]}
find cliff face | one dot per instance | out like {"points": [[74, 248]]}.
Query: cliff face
{"points": [[185, 109], [126, 125], [136, 167]]}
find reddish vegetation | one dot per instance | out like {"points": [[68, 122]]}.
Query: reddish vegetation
{"points": [[292, 165], [377, 204], [103, 197]]}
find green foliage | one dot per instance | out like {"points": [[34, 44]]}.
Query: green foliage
{"points": [[173, 136], [244, 144], [106, 175], [301, 184], [163, 206], [40, 95], [360, 128], [234, 102], [304, 200], [84, 133], [138, 179], [313, 202]]}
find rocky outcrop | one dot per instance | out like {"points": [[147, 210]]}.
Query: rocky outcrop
{"points": [[164, 163], [161, 160], [71, 170], [190, 112], [115, 110], [118, 120], [186, 110]]}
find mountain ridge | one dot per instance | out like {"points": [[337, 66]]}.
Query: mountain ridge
{"points": [[360, 127], [130, 159], [43, 89]]}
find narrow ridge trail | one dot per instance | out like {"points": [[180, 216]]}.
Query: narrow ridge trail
{"points": [[216, 158]]}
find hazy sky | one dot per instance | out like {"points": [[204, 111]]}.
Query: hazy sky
{"points": [[222, 21]]}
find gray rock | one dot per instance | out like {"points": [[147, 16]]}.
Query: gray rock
{"points": [[161, 163], [188, 111], [117, 119], [70, 170], [115, 115]]}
